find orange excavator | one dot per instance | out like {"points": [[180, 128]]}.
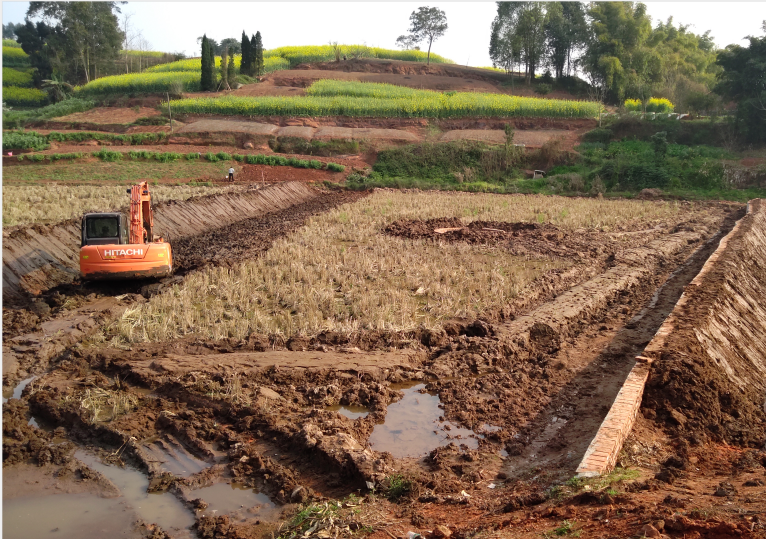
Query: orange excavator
{"points": [[118, 247]]}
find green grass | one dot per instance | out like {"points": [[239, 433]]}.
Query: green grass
{"points": [[324, 53], [11, 43], [123, 171]]}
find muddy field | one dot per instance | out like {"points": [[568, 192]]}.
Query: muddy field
{"points": [[233, 437]]}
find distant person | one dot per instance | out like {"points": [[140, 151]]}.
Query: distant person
{"points": [[231, 174], [344, 56]]}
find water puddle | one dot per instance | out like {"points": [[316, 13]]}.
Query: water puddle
{"points": [[350, 411], [235, 500], [67, 516], [174, 458], [412, 427], [163, 509], [15, 393]]}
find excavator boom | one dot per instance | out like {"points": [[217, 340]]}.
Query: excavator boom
{"points": [[114, 247]]}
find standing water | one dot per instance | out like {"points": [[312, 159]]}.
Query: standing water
{"points": [[412, 427]]}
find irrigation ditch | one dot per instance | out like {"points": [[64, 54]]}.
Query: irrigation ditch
{"points": [[230, 436]]}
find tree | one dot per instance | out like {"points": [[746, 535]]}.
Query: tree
{"points": [[34, 40], [743, 80], [566, 33], [224, 84], [85, 32], [407, 43], [245, 65], [518, 34], [230, 71], [207, 81], [9, 30], [429, 23], [229, 43], [257, 55]]}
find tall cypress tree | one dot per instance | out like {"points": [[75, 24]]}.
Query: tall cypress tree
{"points": [[205, 75], [258, 55], [245, 64], [230, 75]]}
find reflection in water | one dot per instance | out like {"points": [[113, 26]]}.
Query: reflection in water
{"points": [[235, 500], [162, 508], [173, 458], [15, 393], [412, 427], [349, 410]]}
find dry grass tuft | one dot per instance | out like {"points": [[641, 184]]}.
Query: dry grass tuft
{"points": [[54, 203], [106, 405], [339, 272]]}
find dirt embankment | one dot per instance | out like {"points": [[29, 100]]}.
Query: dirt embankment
{"points": [[708, 379], [39, 257]]}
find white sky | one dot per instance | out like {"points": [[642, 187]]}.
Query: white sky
{"points": [[174, 26]]}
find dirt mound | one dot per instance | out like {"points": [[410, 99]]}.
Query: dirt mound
{"points": [[708, 378], [519, 238]]}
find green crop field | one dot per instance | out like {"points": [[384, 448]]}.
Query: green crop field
{"points": [[15, 77], [195, 65], [341, 98], [14, 57], [141, 83], [24, 97], [325, 53]]}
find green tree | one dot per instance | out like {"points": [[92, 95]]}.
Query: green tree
{"points": [[224, 84], [245, 66], [407, 43], [566, 32], [518, 35], [427, 23], [9, 30], [257, 55], [87, 37], [616, 55], [230, 71], [743, 80], [207, 81], [504, 42], [229, 43], [34, 40]]}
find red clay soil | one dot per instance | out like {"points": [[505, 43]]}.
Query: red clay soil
{"points": [[110, 115]]}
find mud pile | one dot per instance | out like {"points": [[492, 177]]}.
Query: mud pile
{"points": [[709, 373]]}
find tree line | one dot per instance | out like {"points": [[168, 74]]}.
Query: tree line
{"points": [[251, 63]]}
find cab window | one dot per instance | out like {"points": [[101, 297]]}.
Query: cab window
{"points": [[102, 227]]}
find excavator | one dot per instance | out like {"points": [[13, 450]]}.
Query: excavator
{"points": [[115, 246]]}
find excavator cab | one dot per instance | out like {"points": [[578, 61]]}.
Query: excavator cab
{"points": [[104, 229], [115, 246]]}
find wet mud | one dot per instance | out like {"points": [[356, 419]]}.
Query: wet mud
{"points": [[473, 427]]}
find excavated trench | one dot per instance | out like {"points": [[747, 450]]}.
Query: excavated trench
{"points": [[244, 423]]}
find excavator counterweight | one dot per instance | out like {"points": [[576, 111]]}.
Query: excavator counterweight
{"points": [[116, 247]]}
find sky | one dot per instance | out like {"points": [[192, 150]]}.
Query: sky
{"points": [[175, 26]]}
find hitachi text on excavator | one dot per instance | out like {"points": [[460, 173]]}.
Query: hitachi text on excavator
{"points": [[118, 247]]}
